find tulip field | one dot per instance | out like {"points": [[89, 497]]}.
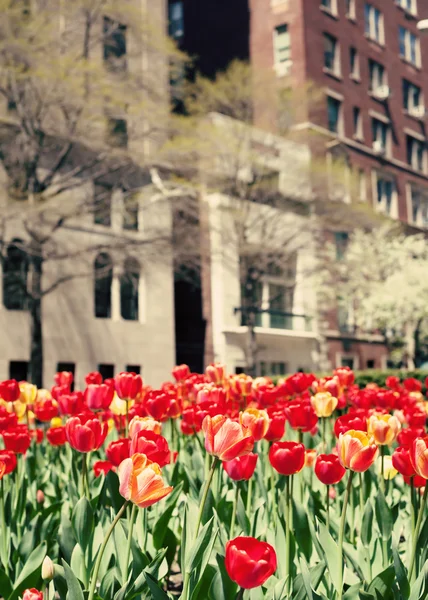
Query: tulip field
{"points": [[214, 487]]}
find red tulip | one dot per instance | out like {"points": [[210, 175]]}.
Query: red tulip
{"points": [[9, 459], [7, 420], [419, 456], [241, 468], [70, 403], [37, 435], [128, 385], [32, 594], [87, 435], [153, 445], [102, 466], [416, 480], [401, 461], [345, 375], [181, 372], [56, 436], [117, 451], [161, 406], [412, 385], [249, 562], [45, 410], [328, 469], [257, 422], [9, 390], [406, 436], [287, 457], [392, 382], [225, 438], [17, 439], [99, 396], [350, 421], [301, 415], [276, 426], [94, 377], [216, 373]]}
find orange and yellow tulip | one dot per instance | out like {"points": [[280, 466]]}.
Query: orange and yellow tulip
{"points": [[357, 450], [419, 456], [225, 438], [324, 404], [384, 428], [257, 421], [141, 481]]}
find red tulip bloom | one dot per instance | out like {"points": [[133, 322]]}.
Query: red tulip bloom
{"points": [[32, 594], [328, 469], [249, 562], [102, 466], [277, 425], [9, 390], [241, 468], [392, 382], [216, 373], [300, 414], [64, 378], [406, 436], [99, 397], [225, 438], [7, 420], [46, 409], [416, 480], [350, 421], [160, 405], [17, 439], [9, 459], [412, 385], [128, 385], [117, 451], [417, 419], [94, 377], [153, 445], [287, 458], [57, 391], [345, 375], [181, 372], [70, 403], [401, 461], [85, 436], [56, 436], [37, 435]]}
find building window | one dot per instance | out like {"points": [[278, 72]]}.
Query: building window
{"points": [[377, 75], [370, 363], [358, 123], [362, 185], [106, 371], [408, 5], [380, 133], [412, 96], [331, 54], [350, 9], [329, 5], [334, 109], [386, 195], [282, 49], [354, 63], [15, 274], [117, 132], [373, 24], [409, 46], [129, 290], [114, 45], [341, 239], [130, 212], [133, 369], [176, 20], [269, 369], [419, 207], [103, 279], [102, 205], [18, 369], [415, 153]]}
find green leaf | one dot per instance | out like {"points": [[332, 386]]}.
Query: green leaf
{"points": [[74, 587], [5, 584], [331, 552], [161, 524], [60, 582], [352, 593], [367, 524], [400, 572], [156, 591], [199, 546], [311, 595], [222, 587], [382, 584], [83, 522], [242, 517], [383, 517], [280, 590], [31, 573], [419, 588], [109, 584], [301, 528]]}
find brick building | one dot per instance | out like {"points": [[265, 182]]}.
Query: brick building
{"points": [[366, 61]]}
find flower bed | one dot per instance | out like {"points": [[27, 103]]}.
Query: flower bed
{"points": [[214, 487]]}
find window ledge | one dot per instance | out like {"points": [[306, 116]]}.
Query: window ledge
{"points": [[408, 62], [328, 12], [352, 19], [408, 13], [331, 73], [374, 97], [355, 78], [409, 114], [358, 138], [380, 45]]}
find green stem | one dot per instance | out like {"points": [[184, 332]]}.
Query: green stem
{"points": [[287, 534], [323, 423], [240, 594], [85, 486], [416, 535], [4, 531], [128, 546], [382, 468], [208, 481], [361, 491], [341, 533], [101, 551], [145, 527], [249, 496], [327, 501], [235, 503], [412, 505], [172, 434]]}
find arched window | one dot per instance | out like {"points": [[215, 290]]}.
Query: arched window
{"points": [[129, 284], [103, 278], [15, 273]]}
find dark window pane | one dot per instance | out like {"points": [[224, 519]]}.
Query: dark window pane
{"points": [[102, 205], [176, 20], [103, 273], [15, 273], [130, 213], [114, 46], [341, 241], [129, 284], [133, 369], [333, 109], [18, 369], [107, 371], [370, 363], [117, 132]]}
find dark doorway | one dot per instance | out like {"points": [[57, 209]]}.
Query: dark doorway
{"points": [[189, 325]]}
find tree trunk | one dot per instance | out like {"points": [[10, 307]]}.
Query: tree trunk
{"points": [[410, 346], [36, 331]]}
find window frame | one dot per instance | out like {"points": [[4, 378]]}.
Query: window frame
{"points": [[339, 129], [282, 58], [417, 157], [375, 33], [354, 69], [350, 10], [385, 126], [382, 201], [358, 123], [336, 63], [407, 56], [378, 76], [419, 220]]}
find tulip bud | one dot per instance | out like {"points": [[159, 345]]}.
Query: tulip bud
{"points": [[40, 497], [48, 569]]}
